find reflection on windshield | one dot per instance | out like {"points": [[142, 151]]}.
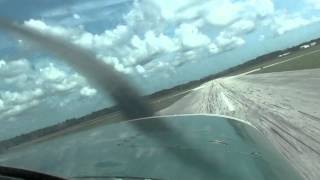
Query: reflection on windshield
{"points": [[125, 151]]}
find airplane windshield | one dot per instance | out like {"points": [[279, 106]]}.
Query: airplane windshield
{"points": [[69, 65]]}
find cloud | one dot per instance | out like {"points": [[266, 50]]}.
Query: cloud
{"points": [[13, 68], [313, 4], [242, 26], [25, 86], [150, 45], [172, 10], [52, 73], [76, 16], [154, 38], [283, 21], [79, 7], [87, 91], [54, 30], [261, 37], [227, 41], [191, 37], [223, 13], [140, 69], [145, 36], [13, 103], [1, 105], [213, 48], [10, 97], [262, 7], [17, 109], [218, 13]]}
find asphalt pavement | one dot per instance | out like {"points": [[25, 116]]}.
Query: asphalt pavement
{"points": [[284, 106]]}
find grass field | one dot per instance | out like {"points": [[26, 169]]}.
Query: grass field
{"points": [[299, 61], [303, 59]]}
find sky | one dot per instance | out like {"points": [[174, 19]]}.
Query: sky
{"points": [[157, 44]]}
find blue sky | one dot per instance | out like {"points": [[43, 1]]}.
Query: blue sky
{"points": [[157, 43]]}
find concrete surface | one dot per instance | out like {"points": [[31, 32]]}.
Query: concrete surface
{"points": [[284, 106]]}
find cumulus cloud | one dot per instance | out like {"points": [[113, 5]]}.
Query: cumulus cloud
{"points": [[154, 39], [140, 69], [242, 26], [261, 37], [154, 36], [20, 98], [52, 73], [14, 103], [76, 16], [13, 68], [219, 13], [1, 105], [191, 37], [313, 4], [213, 48], [144, 35], [283, 22], [54, 30], [87, 91], [262, 7], [173, 10], [215, 12], [150, 45], [152, 29], [223, 13], [228, 41], [24, 87]]}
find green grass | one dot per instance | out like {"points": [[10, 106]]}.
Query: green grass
{"points": [[300, 61]]}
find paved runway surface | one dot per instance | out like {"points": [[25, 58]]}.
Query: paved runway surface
{"points": [[285, 106]]}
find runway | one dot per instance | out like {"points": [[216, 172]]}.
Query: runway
{"points": [[284, 106]]}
